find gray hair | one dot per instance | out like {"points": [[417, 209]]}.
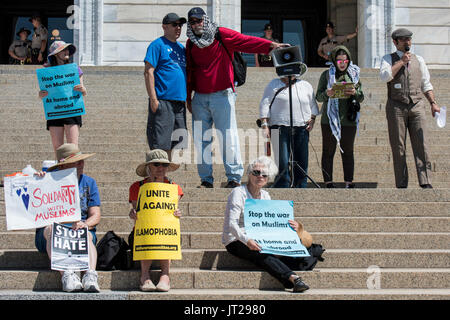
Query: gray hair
{"points": [[265, 161]]}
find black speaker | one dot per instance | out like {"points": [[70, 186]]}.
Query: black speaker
{"points": [[288, 61]]}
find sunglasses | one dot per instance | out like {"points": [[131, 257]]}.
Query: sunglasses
{"points": [[342, 61], [175, 24], [258, 173], [157, 164], [193, 22]]}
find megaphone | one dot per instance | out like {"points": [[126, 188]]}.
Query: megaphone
{"points": [[288, 61]]}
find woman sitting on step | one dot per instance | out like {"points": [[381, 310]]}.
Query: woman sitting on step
{"points": [[240, 245], [154, 169]]}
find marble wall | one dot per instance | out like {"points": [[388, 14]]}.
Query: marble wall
{"points": [[118, 32]]}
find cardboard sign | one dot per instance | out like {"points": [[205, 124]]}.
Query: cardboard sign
{"points": [[70, 249], [267, 222], [62, 101], [157, 230], [32, 202], [340, 87]]}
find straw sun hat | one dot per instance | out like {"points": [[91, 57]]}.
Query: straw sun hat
{"points": [[68, 153], [155, 156]]}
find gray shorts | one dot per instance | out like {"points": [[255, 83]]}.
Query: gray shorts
{"points": [[170, 116]]}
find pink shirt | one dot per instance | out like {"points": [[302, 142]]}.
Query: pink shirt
{"points": [[210, 68]]}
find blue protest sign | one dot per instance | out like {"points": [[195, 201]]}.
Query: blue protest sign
{"points": [[267, 222], [62, 101]]}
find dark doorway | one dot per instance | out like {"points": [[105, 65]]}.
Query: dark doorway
{"points": [[14, 14], [296, 22]]}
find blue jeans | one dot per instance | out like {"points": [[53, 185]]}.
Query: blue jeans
{"points": [[300, 154], [218, 108]]}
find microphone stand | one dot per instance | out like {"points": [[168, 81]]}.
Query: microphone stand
{"points": [[292, 164]]}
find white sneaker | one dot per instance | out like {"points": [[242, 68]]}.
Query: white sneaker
{"points": [[90, 281], [71, 282]]}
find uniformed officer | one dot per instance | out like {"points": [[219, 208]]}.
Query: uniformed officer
{"points": [[265, 60], [332, 40], [39, 40], [19, 49], [408, 79]]}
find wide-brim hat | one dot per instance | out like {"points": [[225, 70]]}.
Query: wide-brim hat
{"points": [[304, 236], [59, 46], [69, 153], [22, 30], [155, 156]]}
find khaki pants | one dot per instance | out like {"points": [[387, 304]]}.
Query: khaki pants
{"points": [[402, 118]]}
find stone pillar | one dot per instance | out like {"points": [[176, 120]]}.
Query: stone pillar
{"points": [[376, 23], [227, 13], [88, 38]]}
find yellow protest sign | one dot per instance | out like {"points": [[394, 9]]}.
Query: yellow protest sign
{"points": [[157, 230]]}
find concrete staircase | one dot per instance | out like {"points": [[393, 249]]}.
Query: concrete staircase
{"points": [[404, 233]]}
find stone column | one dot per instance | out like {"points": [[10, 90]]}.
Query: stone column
{"points": [[88, 39], [227, 13], [376, 23]]}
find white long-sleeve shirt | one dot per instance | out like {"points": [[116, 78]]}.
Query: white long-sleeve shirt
{"points": [[386, 70], [303, 103], [233, 226]]}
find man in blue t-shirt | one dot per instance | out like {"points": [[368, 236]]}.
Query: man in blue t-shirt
{"points": [[165, 80], [70, 156]]}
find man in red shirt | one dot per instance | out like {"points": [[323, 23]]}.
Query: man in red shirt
{"points": [[210, 74]]}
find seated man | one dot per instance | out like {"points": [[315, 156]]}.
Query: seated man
{"points": [[70, 156]]}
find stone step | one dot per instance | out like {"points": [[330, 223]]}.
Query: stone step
{"points": [[306, 195], [190, 278], [302, 209], [329, 240], [312, 224], [221, 260], [190, 296]]}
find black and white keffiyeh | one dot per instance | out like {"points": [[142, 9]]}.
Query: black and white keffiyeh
{"points": [[209, 32]]}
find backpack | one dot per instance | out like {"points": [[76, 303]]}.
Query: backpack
{"points": [[239, 64], [113, 253]]}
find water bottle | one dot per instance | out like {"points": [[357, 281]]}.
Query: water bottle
{"points": [[29, 170], [47, 164]]}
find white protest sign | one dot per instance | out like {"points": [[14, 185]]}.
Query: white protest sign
{"points": [[70, 249], [33, 202]]}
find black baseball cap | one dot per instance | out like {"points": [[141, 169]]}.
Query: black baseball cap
{"points": [[196, 12], [172, 17]]}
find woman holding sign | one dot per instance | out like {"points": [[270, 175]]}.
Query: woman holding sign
{"points": [[60, 53], [235, 238], [340, 113], [154, 169]]}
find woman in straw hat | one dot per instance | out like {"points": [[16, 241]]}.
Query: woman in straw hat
{"points": [[70, 156], [60, 53], [240, 245], [154, 169]]}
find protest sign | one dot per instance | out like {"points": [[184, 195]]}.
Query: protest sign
{"points": [[62, 101], [340, 87], [70, 249], [157, 230], [267, 222], [34, 202]]}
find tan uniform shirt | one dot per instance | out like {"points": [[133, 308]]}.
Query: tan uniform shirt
{"points": [[327, 45], [20, 48], [40, 33]]}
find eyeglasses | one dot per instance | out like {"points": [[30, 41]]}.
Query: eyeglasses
{"points": [[175, 24], [258, 173], [157, 164], [193, 22], [342, 61]]}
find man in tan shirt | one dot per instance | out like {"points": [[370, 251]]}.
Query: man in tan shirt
{"points": [[408, 80], [39, 40], [332, 40]]}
